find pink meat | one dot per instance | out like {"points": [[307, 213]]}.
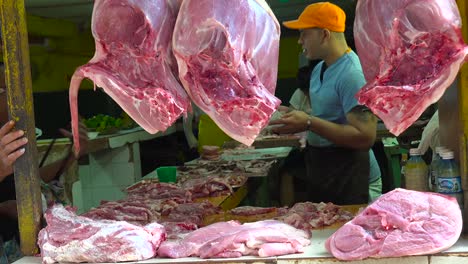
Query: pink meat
{"points": [[230, 239], [411, 52], [134, 63], [191, 244], [227, 53], [71, 238], [400, 223]]}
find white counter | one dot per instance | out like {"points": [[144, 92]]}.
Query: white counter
{"points": [[316, 253]]}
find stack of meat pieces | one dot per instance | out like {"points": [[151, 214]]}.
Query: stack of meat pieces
{"points": [[191, 212], [135, 210], [207, 186], [157, 190], [186, 188], [210, 153], [152, 55], [310, 215], [72, 238], [231, 240]]}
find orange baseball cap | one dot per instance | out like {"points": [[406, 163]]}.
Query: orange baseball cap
{"points": [[321, 15]]}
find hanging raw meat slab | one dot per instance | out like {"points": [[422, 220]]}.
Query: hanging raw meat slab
{"points": [[227, 53], [411, 52], [134, 63]]}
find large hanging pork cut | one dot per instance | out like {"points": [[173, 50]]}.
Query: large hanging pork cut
{"points": [[400, 223], [227, 53], [134, 63], [410, 51]]}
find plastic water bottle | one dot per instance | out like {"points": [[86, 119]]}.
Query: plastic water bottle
{"points": [[434, 169], [416, 172], [449, 180]]}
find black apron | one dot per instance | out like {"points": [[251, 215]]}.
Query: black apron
{"points": [[337, 175], [8, 226]]}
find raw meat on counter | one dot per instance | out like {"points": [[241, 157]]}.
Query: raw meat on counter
{"points": [[227, 53], [207, 186], [231, 239], [210, 153], [178, 230], [186, 188], [310, 215], [134, 63], [158, 190], [192, 212], [411, 52], [399, 223], [135, 210], [139, 213], [252, 210], [71, 238]]}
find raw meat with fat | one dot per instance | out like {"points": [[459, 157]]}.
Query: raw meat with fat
{"points": [[411, 52], [134, 63], [231, 239], [71, 238], [399, 223], [227, 53]]}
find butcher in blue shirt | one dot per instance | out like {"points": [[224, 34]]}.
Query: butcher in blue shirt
{"points": [[341, 132]]}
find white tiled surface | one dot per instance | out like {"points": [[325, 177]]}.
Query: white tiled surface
{"points": [[108, 173]]}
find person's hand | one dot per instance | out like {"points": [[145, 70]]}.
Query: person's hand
{"points": [[290, 123], [84, 139], [11, 148], [283, 109]]}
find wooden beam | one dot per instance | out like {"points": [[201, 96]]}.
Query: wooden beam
{"points": [[20, 108], [463, 110]]}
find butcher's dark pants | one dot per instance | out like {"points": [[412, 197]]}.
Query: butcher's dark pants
{"points": [[337, 175], [8, 226]]}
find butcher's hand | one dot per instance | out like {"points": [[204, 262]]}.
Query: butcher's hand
{"points": [[11, 148], [283, 109], [290, 123], [84, 139]]}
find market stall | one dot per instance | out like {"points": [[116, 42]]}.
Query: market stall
{"points": [[205, 191]]}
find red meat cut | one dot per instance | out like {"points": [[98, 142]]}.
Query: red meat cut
{"points": [[399, 223], [134, 63], [227, 53], [411, 52]]}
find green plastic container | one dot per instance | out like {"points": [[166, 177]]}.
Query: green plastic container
{"points": [[167, 174]]}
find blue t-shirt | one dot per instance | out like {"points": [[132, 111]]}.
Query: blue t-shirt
{"points": [[334, 97]]}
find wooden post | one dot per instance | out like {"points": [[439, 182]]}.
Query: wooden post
{"points": [[20, 108], [463, 110]]}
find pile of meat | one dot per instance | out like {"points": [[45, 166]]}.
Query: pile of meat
{"points": [[210, 153], [201, 167], [142, 211], [400, 223], [310, 215], [232, 239], [72, 238], [153, 55], [186, 188], [411, 52], [305, 216]]}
